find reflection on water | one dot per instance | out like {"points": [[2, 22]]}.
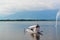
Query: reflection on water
{"points": [[15, 30]]}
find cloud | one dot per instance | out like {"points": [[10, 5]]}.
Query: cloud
{"points": [[8, 7], [33, 5]]}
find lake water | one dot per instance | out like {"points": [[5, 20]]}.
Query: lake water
{"points": [[14, 30]]}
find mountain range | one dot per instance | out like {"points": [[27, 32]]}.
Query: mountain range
{"points": [[45, 14]]}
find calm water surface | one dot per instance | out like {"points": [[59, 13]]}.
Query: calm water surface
{"points": [[15, 30]]}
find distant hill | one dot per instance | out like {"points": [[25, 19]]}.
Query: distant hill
{"points": [[46, 15]]}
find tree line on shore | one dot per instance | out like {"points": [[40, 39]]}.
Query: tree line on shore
{"points": [[26, 20]]}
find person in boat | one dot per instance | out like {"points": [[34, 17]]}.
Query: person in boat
{"points": [[34, 31]]}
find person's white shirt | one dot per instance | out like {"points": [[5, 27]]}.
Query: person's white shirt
{"points": [[34, 29]]}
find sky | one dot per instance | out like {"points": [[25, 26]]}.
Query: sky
{"points": [[18, 9]]}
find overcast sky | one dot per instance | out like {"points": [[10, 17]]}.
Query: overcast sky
{"points": [[9, 7]]}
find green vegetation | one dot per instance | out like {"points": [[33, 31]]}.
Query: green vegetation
{"points": [[27, 20]]}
